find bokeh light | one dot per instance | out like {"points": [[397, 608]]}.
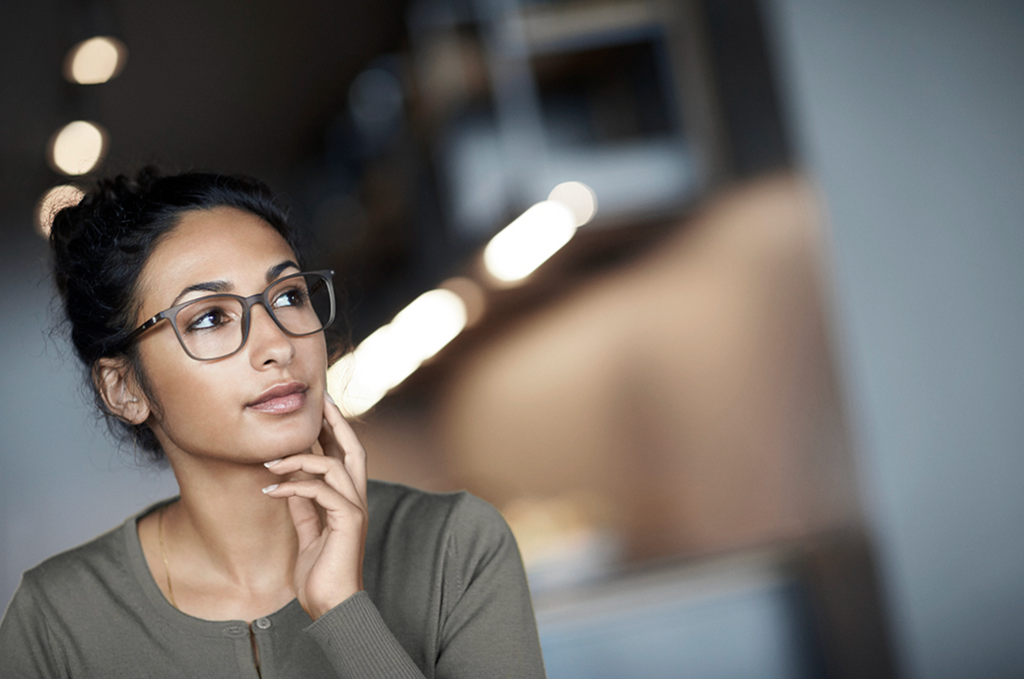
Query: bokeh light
{"points": [[78, 147], [578, 197], [375, 99], [393, 352], [522, 246], [472, 296], [95, 60], [52, 202]]}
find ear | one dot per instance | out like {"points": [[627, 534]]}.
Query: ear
{"points": [[119, 391]]}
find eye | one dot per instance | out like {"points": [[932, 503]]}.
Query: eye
{"points": [[207, 318], [290, 297]]}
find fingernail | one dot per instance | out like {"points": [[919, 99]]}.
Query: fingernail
{"points": [[328, 397], [271, 463], [270, 488]]}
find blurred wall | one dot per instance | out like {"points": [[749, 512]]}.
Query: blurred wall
{"points": [[909, 115], [688, 393], [63, 481]]}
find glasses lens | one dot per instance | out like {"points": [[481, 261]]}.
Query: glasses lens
{"points": [[303, 304], [211, 327]]}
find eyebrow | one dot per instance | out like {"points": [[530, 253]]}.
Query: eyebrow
{"points": [[224, 286], [276, 270]]}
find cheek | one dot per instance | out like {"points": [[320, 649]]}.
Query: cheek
{"points": [[201, 406], [185, 398], [195, 406], [315, 354]]}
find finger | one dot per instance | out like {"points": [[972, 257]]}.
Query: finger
{"points": [[332, 470], [307, 462], [352, 462], [354, 453], [306, 519], [340, 510], [343, 430]]}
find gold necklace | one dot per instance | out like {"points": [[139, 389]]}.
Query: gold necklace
{"points": [[163, 554]]}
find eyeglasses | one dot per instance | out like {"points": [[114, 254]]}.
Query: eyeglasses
{"points": [[217, 326]]}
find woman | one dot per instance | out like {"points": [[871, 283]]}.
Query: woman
{"points": [[203, 336]]}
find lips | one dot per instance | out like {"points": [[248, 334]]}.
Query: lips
{"points": [[280, 399]]}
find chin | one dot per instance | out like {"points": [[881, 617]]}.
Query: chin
{"points": [[291, 445], [277, 442]]}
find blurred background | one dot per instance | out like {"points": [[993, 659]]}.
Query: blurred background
{"points": [[719, 302]]}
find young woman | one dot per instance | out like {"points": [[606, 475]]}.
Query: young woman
{"points": [[203, 336]]}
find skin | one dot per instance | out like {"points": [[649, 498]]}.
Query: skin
{"points": [[273, 505]]}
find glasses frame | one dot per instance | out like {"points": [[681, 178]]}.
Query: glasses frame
{"points": [[247, 304]]}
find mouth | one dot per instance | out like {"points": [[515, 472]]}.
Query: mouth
{"points": [[280, 399]]}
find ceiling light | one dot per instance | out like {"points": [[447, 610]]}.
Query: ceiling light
{"points": [[472, 296], [95, 60], [579, 198], [522, 246], [393, 352], [78, 147], [52, 202]]}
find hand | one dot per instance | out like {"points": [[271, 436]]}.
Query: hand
{"points": [[329, 566]]}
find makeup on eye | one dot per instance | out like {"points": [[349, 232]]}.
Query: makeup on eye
{"points": [[296, 296], [210, 317]]}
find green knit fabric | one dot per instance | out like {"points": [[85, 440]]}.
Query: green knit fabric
{"points": [[445, 597]]}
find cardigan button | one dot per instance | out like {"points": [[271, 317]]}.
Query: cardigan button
{"points": [[263, 623]]}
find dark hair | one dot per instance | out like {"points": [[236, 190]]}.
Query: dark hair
{"points": [[101, 245]]}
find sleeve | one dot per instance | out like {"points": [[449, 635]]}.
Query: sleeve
{"points": [[358, 643], [489, 629], [27, 647]]}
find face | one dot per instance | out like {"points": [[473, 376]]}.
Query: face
{"points": [[262, 403]]}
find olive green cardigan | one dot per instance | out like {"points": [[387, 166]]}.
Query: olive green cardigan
{"points": [[445, 597]]}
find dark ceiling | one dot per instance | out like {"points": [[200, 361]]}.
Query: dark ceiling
{"points": [[260, 87], [233, 85]]}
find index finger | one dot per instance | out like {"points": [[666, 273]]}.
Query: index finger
{"points": [[353, 454]]}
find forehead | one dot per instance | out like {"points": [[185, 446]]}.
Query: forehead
{"points": [[220, 244]]}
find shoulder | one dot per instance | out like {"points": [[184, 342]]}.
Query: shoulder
{"points": [[393, 504], [94, 569], [424, 550], [68, 571], [60, 594], [451, 530]]}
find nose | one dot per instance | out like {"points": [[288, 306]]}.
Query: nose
{"points": [[268, 343]]}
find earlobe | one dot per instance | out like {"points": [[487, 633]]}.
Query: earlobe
{"points": [[121, 395]]}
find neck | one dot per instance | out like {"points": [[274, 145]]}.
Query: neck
{"points": [[225, 529]]}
